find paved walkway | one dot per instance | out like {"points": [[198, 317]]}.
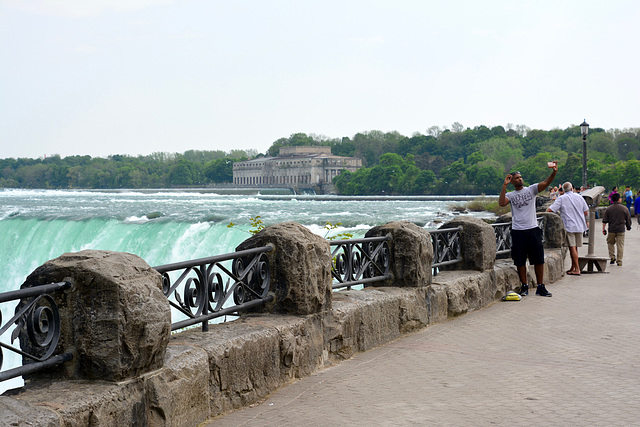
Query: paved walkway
{"points": [[573, 359]]}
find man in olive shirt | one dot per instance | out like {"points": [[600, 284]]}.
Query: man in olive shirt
{"points": [[618, 218]]}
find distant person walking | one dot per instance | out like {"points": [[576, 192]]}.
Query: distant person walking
{"points": [[636, 207], [573, 210], [613, 191], [628, 197], [526, 236], [618, 218]]}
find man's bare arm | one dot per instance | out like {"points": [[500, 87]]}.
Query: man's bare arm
{"points": [[547, 182], [502, 200]]}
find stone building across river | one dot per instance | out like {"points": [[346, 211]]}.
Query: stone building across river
{"points": [[299, 168]]}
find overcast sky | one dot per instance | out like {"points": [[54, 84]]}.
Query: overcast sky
{"points": [[105, 77]]}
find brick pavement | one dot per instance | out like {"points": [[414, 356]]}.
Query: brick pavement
{"points": [[567, 360]]}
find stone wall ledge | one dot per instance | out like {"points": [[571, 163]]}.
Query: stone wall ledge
{"points": [[235, 364]]}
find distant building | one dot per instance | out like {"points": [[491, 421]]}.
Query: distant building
{"points": [[307, 167]]}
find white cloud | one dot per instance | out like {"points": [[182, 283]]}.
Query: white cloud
{"points": [[76, 8]]}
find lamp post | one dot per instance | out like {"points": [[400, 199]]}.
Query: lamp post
{"points": [[584, 129]]}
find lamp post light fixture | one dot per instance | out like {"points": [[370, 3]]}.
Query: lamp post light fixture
{"points": [[584, 129]]}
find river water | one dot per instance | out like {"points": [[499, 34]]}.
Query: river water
{"points": [[165, 226]]}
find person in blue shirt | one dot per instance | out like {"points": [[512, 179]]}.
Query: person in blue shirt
{"points": [[628, 197], [636, 207]]}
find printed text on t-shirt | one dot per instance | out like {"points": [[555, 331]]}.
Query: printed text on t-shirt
{"points": [[522, 199]]}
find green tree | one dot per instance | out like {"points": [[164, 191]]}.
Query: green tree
{"points": [[454, 179], [570, 171], [184, 173], [631, 174], [220, 170], [506, 151], [487, 176], [534, 169], [343, 147]]}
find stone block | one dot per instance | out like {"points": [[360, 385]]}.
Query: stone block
{"points": [[89, 403], [477, 241], [411, 253], [361, 320], [15, 412], [467, 292], [413, 309], [252, 356], [437, 303], [554, 231], [301, 347], [554, 261], [342, 327], [507, 278], [300, 268], [178, 394], [114, 319]]}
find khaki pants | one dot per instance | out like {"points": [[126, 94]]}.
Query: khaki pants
{"points": [[616, 239]]}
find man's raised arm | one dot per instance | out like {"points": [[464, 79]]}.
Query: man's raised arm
{"points": [[547, 182], [502, 200]]}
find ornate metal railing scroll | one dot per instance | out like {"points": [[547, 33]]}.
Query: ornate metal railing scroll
{"points": [[502, 231], [37, 321], [204, 286], [446, 247], [359, 261]]}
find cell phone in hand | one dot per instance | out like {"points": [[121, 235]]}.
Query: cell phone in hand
{"points": [[551, 164]]}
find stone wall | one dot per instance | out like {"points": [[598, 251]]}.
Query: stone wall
{"points": [[205, 374]]}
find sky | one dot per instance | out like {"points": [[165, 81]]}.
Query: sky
{"points": [[135, 77]]}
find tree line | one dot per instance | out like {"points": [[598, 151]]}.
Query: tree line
{"points": [[453, 160], [475, 161], [158, 170]]}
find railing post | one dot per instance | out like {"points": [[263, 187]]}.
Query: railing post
{"points": [[554, 231], [477, 241], [114, 319], [300, 266], [411, 254]]}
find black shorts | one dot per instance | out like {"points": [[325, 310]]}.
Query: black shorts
{"points": [[527, 244]]}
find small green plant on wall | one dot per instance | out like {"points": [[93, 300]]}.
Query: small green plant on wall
{"points": [[256, 225]]}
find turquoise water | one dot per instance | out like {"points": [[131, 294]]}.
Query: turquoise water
{"points": [[169, 226], [166, 226]]}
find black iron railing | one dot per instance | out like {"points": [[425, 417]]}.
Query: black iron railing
{"points": [[359, 261], [446, 247], [37, 321], [502, 231], [205, 286], [542, 227]]}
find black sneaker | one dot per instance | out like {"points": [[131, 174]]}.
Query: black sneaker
{"points": [[613, 261], [542, 291], [524, 289]]}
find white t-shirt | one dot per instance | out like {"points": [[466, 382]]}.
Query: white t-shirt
{"points": [[523, 207], [572, 208]]}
